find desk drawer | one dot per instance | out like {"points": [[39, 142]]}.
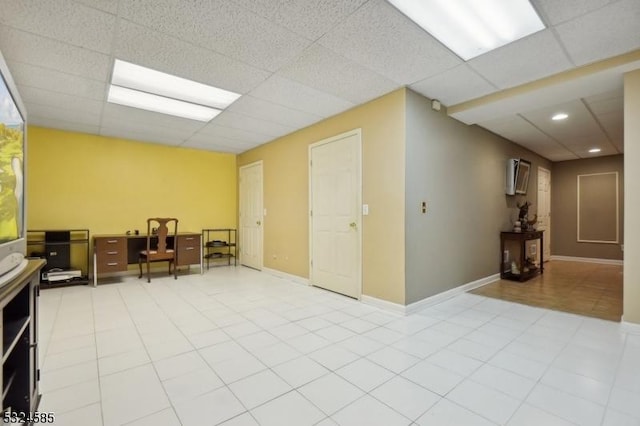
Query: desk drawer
{"points": [[188, 249], [104, 244], [111, 265], [111, 254]]}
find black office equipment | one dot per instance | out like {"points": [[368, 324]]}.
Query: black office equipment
{"points": [[57, 250]]}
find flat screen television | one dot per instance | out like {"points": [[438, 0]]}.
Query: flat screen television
{"points": [[518, 171], [13, 128]]}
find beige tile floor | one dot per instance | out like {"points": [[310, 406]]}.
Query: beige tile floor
{"points": [[582, 288], [240, 347]]}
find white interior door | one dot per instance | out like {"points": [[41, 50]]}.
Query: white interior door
{"points": [[544, 209], [335, 221], [251, 215]]}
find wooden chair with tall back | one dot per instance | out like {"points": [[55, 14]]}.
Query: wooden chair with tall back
{"points": [[159, 253]]}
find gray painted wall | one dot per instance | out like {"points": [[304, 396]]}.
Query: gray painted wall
{"points": [[459, 171], [564, 202]]}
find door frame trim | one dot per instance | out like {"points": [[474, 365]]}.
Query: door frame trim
{"points": [[246, 166], [354, 132], [548, 236]]}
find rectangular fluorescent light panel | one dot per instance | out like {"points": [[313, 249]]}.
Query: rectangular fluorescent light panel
{"points": [[155, 103], [471, 27], [139, 87]]}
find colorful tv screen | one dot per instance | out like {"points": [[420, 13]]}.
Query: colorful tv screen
{"points": [[11, 167]]}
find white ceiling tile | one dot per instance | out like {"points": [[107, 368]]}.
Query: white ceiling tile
{"points": [[325, 70], [553, 152], [53, 48], [520, 131], [579, 124], [265, 110], [555, 11], [612, 121], [177, 136], [297, 96], [63, 20], [609, 31], [613, 125], [204, 146], [582, 150], [515, 127], [454, 86], [77, 116], [310, 19], [121, 133], [252, 124], [381, 38], [220, 26], [26, 75], [536, 56], [152, 49], [129, 116], [213, 130], [20, 46], [560, 156], [35, 120], [32, 95], [265, 8], [548, 95], [216, 143], [609, 102], [110, 6], [549, 149]]}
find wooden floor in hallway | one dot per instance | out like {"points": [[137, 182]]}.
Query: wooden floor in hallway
{"points": [[590, 289]]}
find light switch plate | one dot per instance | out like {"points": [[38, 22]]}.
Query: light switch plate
{"points": [[365, 209]]}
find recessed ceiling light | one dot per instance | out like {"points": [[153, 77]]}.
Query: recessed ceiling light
{"points": [[594, 150], [470, 27], [150, 102], [206, 101], [560, 116]]}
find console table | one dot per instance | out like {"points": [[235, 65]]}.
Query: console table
{"points": [[115, 252], [521, 238]]}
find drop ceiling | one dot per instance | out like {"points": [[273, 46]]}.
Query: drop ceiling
{"points": [[297, 62]]}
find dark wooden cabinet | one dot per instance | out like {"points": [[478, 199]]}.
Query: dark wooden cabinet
{"points": [[524, 268], [188, 250], [111, 254], [20, 374]]}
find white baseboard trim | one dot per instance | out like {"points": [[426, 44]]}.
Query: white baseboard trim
{"points": [[385, 305], [630, 327], [587, 260], [441, 297], [429, 301], [296, 279]]}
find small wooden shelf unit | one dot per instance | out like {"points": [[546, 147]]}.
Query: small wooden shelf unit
{"points": [[521, 238]]}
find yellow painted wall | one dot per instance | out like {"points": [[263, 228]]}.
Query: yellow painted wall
{"points": [[110, 185], [286, 194]]}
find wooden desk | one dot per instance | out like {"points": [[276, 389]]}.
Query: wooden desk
{"points": [[115, 252], [521, 238]]}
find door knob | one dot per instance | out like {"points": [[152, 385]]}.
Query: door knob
{"points": [[353, 225], [258, 223]]}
